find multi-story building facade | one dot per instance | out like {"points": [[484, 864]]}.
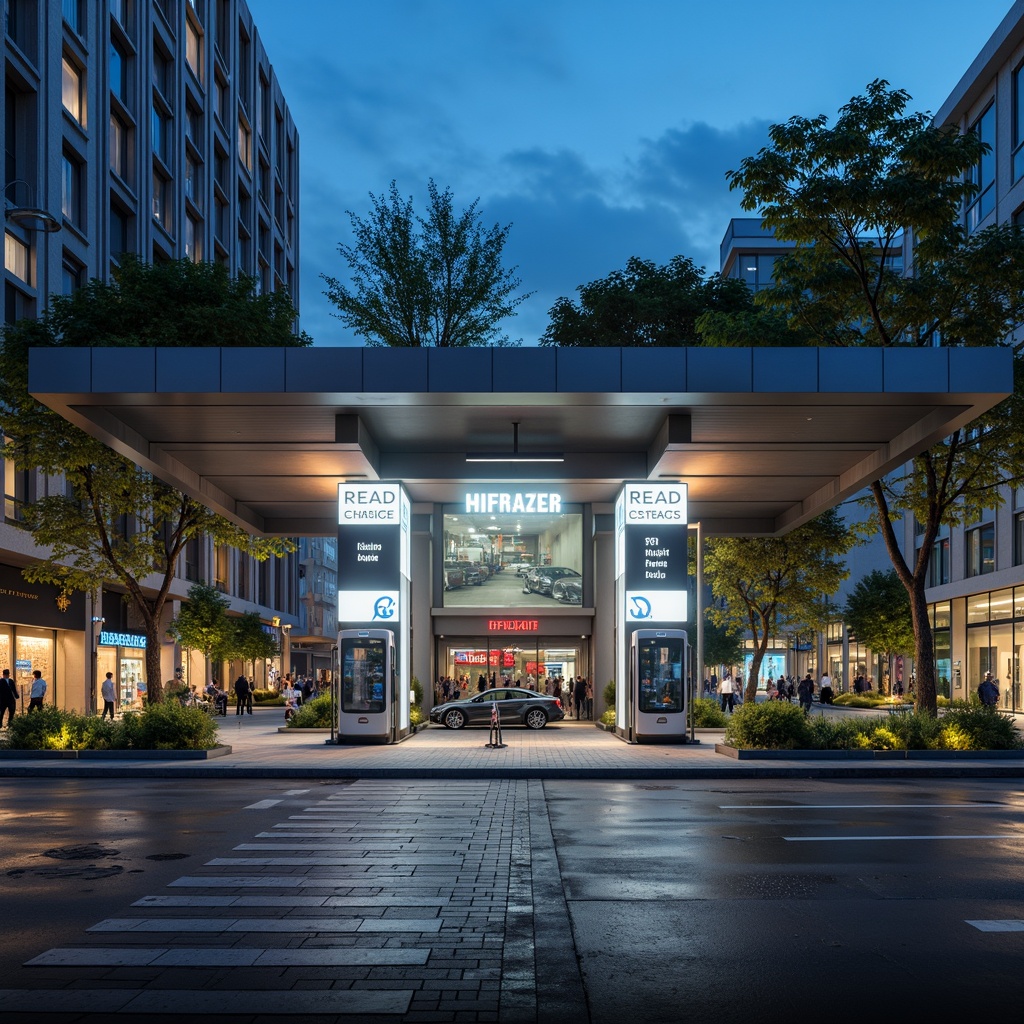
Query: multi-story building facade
{"points": [[976, 587], [158, 128]]}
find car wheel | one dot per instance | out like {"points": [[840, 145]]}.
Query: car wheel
{"points": [[454, 719], [536, 718]]}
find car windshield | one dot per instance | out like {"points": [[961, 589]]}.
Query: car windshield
{"points": [[559, 573]]}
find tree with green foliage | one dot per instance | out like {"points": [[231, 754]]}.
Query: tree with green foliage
{"points": [[434, 281], [644, 305], [766, 582], [203, 624], [111, 523], [249, 641], [848, 196], [877, 612], [723, 643]]}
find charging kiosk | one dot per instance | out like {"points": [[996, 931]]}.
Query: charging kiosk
{"points": [[657, 661], [366, 700]]}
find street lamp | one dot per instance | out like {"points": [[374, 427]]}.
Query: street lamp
{"points": [[30, 217]]}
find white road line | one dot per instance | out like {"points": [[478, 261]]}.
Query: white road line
{"points": [[885, 839], [296, 792], [95, 956], [846, 807], [997, 926], [216, 925], [142, 1003], [262, 805]]}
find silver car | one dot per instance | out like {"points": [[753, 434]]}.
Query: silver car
{"points": [[515, 706]]}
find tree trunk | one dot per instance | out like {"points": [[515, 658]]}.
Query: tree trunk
{"points": [[154, 684], [924, 652], [760, 646]]}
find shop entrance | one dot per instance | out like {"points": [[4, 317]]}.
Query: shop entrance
{"points": [[535, 663]]}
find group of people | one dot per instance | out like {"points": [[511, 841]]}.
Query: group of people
{"points": [[10, 695], [730, 690]]}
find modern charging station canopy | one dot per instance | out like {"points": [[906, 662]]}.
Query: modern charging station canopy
{"points": [[766, 438]]}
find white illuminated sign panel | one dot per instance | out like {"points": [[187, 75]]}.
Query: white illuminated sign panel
{"points": [[373, 552], [651, 552]]}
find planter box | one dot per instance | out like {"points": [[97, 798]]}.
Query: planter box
{"points": [[866, 755], [115, 755]]}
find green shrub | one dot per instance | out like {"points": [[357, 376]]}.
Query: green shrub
{"points": [[828, 733], [608, 718], [708, 714], [314, 714], [165, 726], [860, 700], [969, 725], [417, 688], [416, 716], [269, 698], [169, 726], [773, 725], [609, 694]]}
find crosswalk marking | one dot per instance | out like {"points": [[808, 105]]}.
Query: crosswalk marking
{"points": [[997, 926], [263, 805], [215, 925], [98, 956]]}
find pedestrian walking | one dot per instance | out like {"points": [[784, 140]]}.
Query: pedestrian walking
{"points": [[988, 691], [726, 689], [579, 694], [243, 696], [109, 694], [8, 697], [37, 693], [805, 691]]}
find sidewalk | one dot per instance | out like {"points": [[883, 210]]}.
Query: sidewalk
{"points": [[572, 750]]}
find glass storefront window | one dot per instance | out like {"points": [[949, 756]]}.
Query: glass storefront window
{"points": [[488, 560], [532, 664], [941, 615], [1001, 604], [34, 650], [943, 663], [1001, 646], [977, 608]]}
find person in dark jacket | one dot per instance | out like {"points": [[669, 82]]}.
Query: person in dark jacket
{"points": [[243, 696], [805, 691], [988, 691]]}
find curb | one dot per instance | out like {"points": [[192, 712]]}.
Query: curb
{"points": [[743, 754], [114, 755]]}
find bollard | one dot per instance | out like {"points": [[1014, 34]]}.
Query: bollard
{"points": [[494, 740]]}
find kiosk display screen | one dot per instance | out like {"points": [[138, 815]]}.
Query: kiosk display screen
{"points": [[660, 675], [363, 675]]}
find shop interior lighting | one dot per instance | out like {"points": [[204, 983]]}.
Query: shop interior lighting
{"points": [[515, 456]]}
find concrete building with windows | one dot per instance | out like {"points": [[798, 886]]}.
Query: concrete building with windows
{"points": [[158, 128], [977, 571]]}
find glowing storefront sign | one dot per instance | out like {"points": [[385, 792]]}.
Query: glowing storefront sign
{"points": [[513, 625], [108, 639], [514, 502]]}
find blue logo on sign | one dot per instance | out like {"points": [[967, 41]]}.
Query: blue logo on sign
{"points": [[383, 608], [641, 608]]}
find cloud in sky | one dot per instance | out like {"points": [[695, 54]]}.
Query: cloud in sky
{"points": [[600, 132]]}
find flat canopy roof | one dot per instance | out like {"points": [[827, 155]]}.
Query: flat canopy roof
{"points": [[766, 438]]}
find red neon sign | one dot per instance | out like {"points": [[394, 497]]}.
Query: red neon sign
{"points": [[513, 625]]}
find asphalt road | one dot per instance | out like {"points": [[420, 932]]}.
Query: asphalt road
{"points": [[749, 901]]}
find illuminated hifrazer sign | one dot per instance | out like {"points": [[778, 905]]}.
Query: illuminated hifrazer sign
{"points": [[513, 502]]}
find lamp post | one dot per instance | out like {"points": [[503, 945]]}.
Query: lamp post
{"points": [[286, 648]]}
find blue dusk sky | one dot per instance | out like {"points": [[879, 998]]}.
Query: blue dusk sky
{"points": [[600, 131]]}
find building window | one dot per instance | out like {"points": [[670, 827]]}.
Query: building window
{"points": [[160, 135], [220, 99], [981, 550], [220, 220], [221, 562], [72, 12], [983, 174], [120, 10], [162, 201], [17, 258], [1018, 539], [754, 269], [193, 50], [938, 567], [193, 181], [71, 92], [16, 491], [1018, 123], [72, 275], [161, 72], [120, 232], [118, 72], [194, 126], [119, 148], [71, 189], [192, 559], [245, 145], [193, 236]]}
